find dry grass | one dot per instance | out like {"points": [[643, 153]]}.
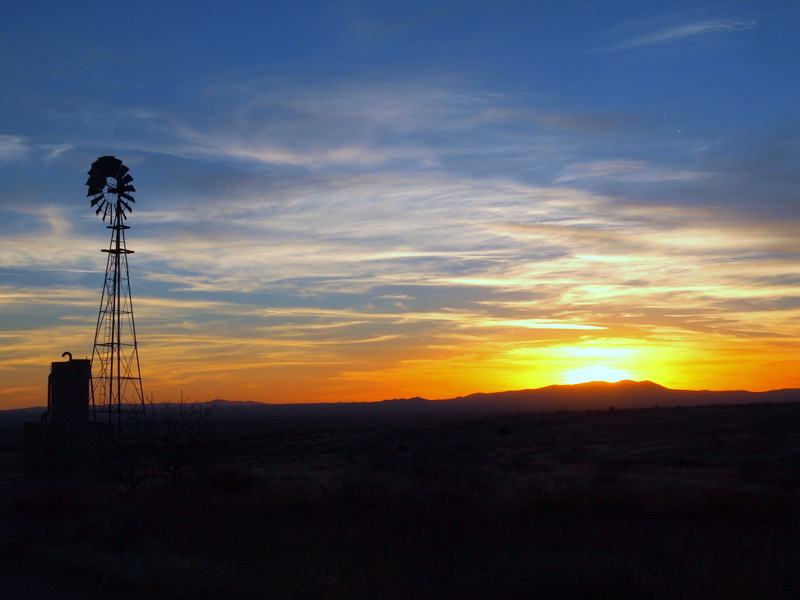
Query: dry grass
{"points": [[698, 503]]}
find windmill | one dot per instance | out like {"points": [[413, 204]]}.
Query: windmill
{"points": [[117, 380]]}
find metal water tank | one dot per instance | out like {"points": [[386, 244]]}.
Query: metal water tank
{"points": [[68, 391]]}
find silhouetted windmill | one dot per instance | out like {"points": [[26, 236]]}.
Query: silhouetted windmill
{"points": [[117, 380]]}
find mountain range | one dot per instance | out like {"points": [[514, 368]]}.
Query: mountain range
{"points": [[596, 395]]}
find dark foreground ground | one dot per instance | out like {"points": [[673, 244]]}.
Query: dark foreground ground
{"points": [[651, 503]]}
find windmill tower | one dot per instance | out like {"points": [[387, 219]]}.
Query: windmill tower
{"points": [[117, 380]]}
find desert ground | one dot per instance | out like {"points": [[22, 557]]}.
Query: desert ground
{"points": [[684, 502]]}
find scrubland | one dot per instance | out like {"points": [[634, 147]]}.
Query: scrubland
{"points": [[692, 502]]}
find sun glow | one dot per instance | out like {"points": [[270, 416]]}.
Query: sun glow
{"points": [[596, 373]]}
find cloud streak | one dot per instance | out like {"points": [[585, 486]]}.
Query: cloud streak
{"points": [[674, 33]]}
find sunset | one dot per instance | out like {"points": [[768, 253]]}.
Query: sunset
{"points": [[369, 300], [354, 201]]}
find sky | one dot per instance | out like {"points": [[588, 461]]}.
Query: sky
{"points": [[361, 200]]}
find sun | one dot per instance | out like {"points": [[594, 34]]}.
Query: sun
{"points": [[596, 373]]}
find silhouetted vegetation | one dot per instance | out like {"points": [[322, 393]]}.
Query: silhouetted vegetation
{"points": [[690, 502], [157, 440]]}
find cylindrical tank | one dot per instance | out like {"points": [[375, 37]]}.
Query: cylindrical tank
{"points": [[68, 391]]}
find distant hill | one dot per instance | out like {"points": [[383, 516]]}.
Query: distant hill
{"points": [[596, 395], [622, 394], [21, 415]]}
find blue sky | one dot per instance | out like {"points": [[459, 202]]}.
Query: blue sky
{"points": [[364, 200]]}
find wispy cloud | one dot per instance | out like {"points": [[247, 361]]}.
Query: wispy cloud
{"points": [[625, 170], [659, 34], [13, 147], [345, 127]]}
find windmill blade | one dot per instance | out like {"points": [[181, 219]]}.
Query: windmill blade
{"points": [[95, 186], [99, 166], [110, 164], [105, 167], [126, 179], [126, 205]]}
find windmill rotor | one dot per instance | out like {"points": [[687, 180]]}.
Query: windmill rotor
{"points": [[110, 187]]}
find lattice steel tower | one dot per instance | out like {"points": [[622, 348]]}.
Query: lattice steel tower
{"points": [[116, 378]]}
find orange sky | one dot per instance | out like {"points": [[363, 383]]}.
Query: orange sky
{"points": [[309, 355]]}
